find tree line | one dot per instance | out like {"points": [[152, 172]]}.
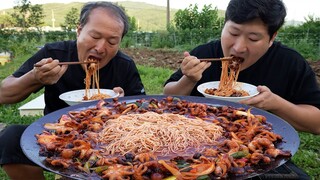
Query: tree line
{"points": [[191, 26]]}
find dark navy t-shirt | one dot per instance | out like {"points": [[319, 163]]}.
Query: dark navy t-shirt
{"points": [[281, 69], [120, 71]]}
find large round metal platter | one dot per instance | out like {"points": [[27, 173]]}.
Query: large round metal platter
{"points": [[31, 148]]}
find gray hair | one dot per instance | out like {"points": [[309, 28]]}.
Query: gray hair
{"points": [[115, 10]]}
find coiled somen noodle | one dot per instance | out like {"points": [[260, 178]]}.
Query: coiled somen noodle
{"points": [[162, 133]]}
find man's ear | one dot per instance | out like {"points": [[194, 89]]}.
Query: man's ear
{"points": [[79, 28], [273, 38]]}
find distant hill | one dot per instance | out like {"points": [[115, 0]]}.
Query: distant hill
{"points": [[149, 17]]}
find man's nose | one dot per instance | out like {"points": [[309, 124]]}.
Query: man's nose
{"points": [[100, 46], [240, 45]]}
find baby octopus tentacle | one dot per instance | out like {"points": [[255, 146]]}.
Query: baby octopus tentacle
{"points": [[269, 135], [222, 165], [210, 152], [139, 170], [84, 148], [118, 172], [232, 145], [106, 161], [257, 157], [277, 152], [145, 157], [259, 144]]}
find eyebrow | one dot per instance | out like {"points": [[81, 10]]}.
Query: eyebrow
{"points": [[235, 27], [95, 32], [256, 34]]}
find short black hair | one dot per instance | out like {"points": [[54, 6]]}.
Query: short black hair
{"points": [[116, 10], [271, 12]]}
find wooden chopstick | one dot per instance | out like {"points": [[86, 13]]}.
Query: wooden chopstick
{"points": [[217, 59], [70, 63], [214, 59]]}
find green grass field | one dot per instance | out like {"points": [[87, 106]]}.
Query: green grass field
{"points": [[307, 157]]}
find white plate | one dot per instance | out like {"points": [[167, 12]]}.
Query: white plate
{"points": [[251, 89], [76, 96]]}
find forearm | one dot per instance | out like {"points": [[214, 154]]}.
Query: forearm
{"points": [[13, 90], [302, 117], [182, 87]]}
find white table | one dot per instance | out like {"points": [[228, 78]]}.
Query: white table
{"points": [[33, 107]]}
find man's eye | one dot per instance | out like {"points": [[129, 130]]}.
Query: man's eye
{"points": [[253, 40], [95, 37], [113, 42], [233, 34]]}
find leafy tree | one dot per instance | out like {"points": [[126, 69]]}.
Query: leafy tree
{"points": [[185, 19], [20, 13], [312, 25], [26, 15], [6, 21], [192, 18], [133, 24], [36, 16], [209, 18], [71, 20]]}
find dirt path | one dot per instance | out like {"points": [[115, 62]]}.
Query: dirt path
{"points": [[155, 58]]}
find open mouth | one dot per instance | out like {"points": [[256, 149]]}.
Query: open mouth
{"points": [[235, 62], [94, 64], [93, 58]]}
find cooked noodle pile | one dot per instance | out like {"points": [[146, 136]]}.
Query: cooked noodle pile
{"points": [[99, 96], [92, 74], [162, 133], [228, 80]]}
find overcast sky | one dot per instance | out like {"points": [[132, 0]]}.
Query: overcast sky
{"points": [[296, 9]]}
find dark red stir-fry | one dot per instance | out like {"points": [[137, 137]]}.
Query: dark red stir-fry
{"points": [[155, 139]]}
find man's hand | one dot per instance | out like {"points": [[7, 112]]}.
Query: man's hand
{"points": [[192, 68], [119, 90], [49, 71], [264, 100]]}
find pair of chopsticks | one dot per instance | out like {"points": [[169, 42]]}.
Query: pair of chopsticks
{"points": [[69, 63], [215, 59]]}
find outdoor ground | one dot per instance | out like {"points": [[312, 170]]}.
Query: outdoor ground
{"points": [[169, 59], [155, 57]]}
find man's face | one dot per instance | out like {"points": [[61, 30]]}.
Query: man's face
{"points": [[100, 38], [249, 41]]}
